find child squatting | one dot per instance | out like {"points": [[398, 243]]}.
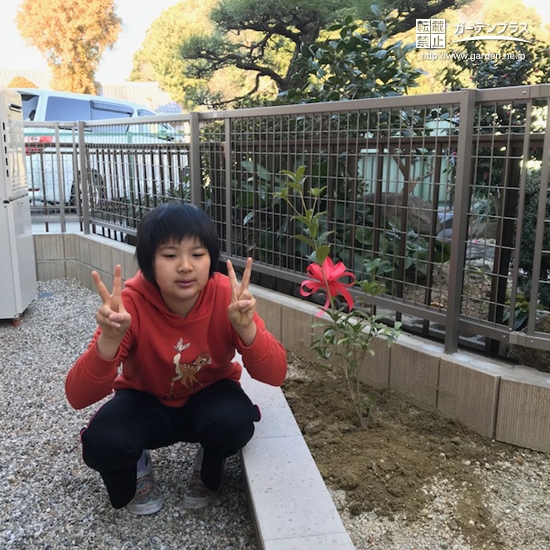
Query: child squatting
{"points": [[164, 348]]}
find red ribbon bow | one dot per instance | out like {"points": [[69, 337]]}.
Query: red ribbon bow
{"points": [[326, 277]]}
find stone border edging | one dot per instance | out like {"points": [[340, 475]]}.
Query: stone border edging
{"points": [[290, 503]]}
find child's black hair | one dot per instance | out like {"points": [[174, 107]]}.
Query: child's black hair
{"points": [[174, 221]]}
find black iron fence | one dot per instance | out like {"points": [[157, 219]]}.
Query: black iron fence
{"points": [[451, 190]]}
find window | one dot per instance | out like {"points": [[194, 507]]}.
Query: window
{"points": [[29, 106], [62, 108]]}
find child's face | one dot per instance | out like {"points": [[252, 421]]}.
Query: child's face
{"points": [[181, 272]]}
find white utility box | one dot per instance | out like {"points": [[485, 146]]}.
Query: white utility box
{"points": [[17, 262]]}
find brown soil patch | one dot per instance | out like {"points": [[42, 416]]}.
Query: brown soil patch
{"points": [[388, 465]]}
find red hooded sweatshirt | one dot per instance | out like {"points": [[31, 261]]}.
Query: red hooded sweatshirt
{"points": [[171, 356]]}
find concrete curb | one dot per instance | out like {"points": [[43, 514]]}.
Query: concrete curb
{"points": [[290, 502]]}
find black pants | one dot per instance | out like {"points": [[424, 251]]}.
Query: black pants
{"points": [[220, 417]]}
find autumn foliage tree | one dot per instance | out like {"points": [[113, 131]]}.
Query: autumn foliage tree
{"points": [[72, 35]]}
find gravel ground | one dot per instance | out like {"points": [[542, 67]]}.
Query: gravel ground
{"points": [[49, 498]]}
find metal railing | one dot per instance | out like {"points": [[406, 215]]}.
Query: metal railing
{"points": [[451, 190]]}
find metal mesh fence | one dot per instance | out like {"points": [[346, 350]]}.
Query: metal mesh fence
{"points": [[131, 168], [51, 166], [448, 190]]}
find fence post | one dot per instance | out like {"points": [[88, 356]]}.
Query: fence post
{"points": [[228, 195], [540, 245], [460, 217], [60, 180], [195, 180], [83, 177]]}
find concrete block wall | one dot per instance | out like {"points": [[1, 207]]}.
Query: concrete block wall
{"points": [[523, 415], [501, 401], [414, 372], [60, 255]]}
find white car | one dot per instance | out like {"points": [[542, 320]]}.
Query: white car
{"points": [[52, 152]]}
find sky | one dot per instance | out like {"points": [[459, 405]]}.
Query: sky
{"points": [[116, 65]]}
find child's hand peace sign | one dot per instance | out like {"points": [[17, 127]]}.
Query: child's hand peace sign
{"points": [[243, 305], [111, 316]]}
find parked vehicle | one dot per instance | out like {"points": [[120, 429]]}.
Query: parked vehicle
{"points": [[51, 105], [52, 159]]}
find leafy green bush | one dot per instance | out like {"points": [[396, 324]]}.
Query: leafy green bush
{"points": [[527, 249], [355, 61]]}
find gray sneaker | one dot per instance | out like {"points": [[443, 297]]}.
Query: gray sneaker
{"points": [[148, 498], [197, 495]]}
